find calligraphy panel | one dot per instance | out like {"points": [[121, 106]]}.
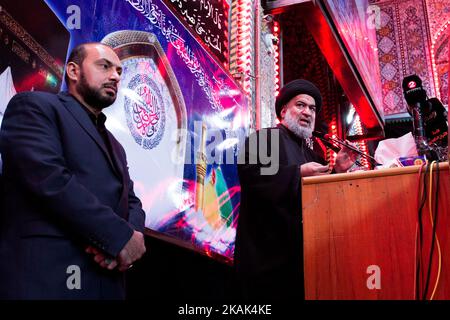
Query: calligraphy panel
{"points": [[208, 21]]}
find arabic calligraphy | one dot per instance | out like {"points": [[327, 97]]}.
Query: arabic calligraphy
{"points": [[209, 19], [146, 120], [144, 109], [151, 11]]}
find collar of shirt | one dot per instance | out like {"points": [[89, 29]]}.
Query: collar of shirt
{"points": [[98, 121]]}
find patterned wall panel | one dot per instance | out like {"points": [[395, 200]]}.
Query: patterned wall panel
{"points": [[438, 13], [438, 16], [416, 41], [442, 66], [390, 56], [403, 43], [404, 36]]}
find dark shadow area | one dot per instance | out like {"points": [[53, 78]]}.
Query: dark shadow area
{"points": [[170, 273]]}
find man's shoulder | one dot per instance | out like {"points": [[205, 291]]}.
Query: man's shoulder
{"points": [[38, 100], [37, 97]]}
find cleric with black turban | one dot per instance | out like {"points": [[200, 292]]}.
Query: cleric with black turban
{"points": [[269, 243]]}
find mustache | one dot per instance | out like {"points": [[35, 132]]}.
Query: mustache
{"points": [[110, 85], [308, 121]]}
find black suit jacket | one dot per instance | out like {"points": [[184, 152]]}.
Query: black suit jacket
{"points": [[62, 191], [269, 243]]}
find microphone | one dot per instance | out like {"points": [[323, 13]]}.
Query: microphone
{"points": [[321, 136], [420, 108], [413, 91], [416, 97], [326, 137]]}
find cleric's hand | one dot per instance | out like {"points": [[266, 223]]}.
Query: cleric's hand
{"points": [[313, 169], [345, 159]]}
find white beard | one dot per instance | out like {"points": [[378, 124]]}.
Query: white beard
{"points": [[293, 125]]}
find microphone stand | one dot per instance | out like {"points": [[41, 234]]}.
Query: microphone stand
{"points": [[326, 137]]}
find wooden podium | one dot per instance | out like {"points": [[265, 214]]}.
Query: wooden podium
{"points": [[360, 235]]}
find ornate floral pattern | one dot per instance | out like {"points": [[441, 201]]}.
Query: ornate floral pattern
{"points": [[404, 37]]}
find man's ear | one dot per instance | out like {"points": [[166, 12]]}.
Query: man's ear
{"points": [[73, 71], [283, 112]]}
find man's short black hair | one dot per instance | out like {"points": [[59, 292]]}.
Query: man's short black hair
{"points": [[77, 55]]}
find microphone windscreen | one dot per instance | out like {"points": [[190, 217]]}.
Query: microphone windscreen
{"points": [[413, 90]]}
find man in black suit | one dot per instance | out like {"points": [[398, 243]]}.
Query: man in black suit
{"points": [[70, 223]]}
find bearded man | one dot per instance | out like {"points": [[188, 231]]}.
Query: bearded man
{"points": [[269, 245], [70, 223]]}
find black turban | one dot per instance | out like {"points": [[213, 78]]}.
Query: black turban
{"points": [[293, 89]]}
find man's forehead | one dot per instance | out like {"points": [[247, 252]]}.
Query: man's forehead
{"points": [[99, 51], [306, 98]]}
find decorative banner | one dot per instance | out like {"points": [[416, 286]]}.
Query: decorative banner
{"points": [[179, 116], [208, 20]]}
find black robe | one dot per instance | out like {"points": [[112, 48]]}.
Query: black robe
{"points": [[269, 251]]}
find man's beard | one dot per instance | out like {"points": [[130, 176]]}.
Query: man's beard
{"points": [[93, 96], [293, 125]]}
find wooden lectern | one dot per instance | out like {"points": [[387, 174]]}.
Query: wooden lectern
{"points": [[360, 235]]}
